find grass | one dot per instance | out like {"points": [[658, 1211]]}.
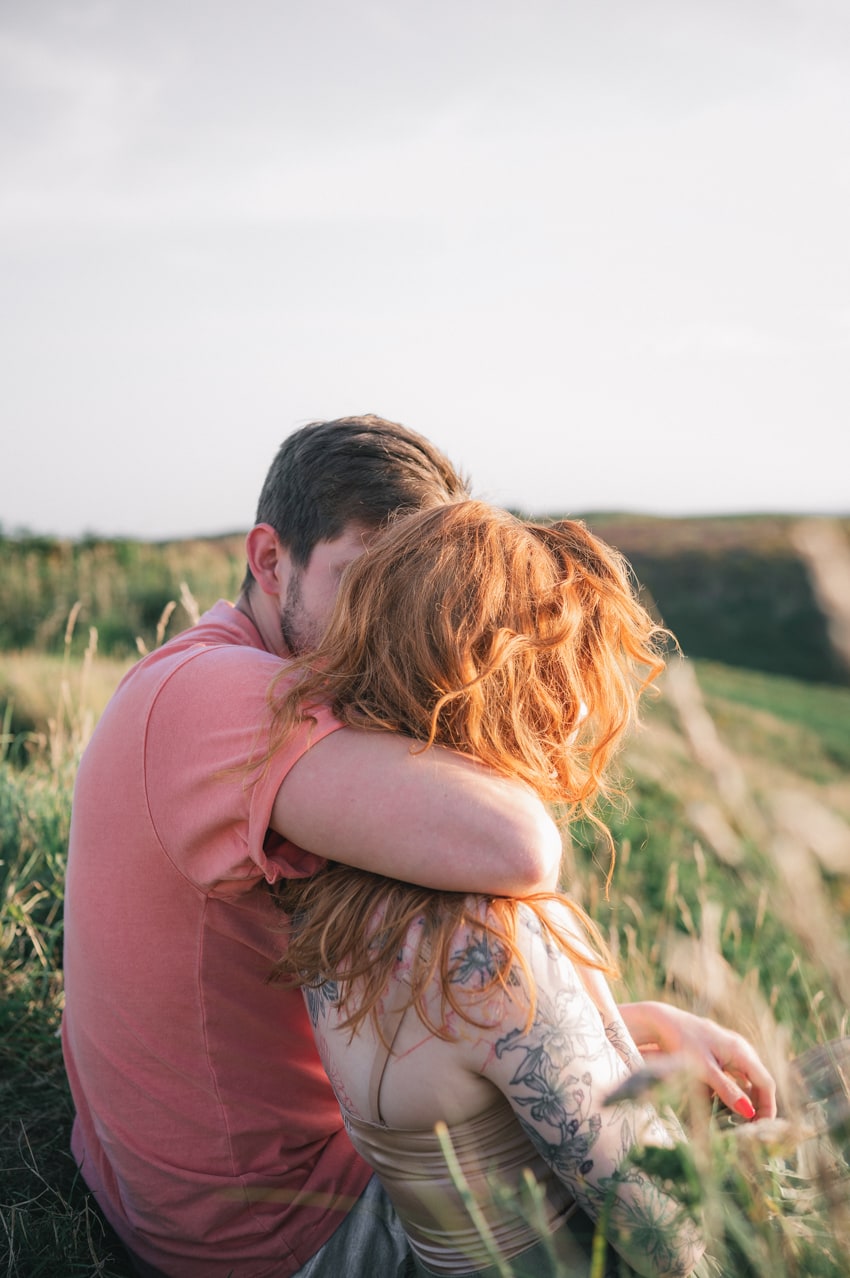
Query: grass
{"points": [[35, 687], [719, 903], [50, 1225], [813, 719], [118, 586]]}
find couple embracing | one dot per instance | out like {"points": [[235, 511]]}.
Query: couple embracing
{"points": [[373, 738]]}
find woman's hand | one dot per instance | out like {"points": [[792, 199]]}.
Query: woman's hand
{"points": [[721, 1058]]}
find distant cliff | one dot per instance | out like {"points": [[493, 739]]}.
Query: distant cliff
{"points": [[734, 590]]}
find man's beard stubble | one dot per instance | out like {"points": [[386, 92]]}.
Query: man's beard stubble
{"points": [[298, 630]]}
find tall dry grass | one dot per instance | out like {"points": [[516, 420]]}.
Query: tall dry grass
{"points": [[729, 897]]}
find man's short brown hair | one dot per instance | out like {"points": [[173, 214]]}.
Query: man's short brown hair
{"points": [[353, 470]]}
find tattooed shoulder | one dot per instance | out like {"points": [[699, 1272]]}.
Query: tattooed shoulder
{"points": [[319, 998], [476, 960]]}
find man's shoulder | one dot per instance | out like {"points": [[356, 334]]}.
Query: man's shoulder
{"points": [[222, 626], [223, 634], [208, 673]]}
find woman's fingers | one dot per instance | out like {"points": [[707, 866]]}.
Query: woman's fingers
{"points": [[720, 1058], [746, 1086]]}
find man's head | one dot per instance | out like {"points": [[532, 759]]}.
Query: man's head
{"points": [[329, 489]]}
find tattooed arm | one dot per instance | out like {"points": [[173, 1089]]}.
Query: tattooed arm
{"points": [[557, 1073], [724, 1061]]}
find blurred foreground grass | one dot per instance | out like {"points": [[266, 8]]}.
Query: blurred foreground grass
{"points": [[49, 1227], [730, 897]]}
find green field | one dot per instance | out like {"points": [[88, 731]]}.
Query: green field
{"points": [[720, 902], [730, 895]]}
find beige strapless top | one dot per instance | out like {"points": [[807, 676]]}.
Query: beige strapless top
{"points": [[493, 1153]]}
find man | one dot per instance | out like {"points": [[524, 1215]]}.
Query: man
{"points": [[205, 1125]]}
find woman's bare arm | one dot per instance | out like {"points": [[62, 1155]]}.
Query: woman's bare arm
{"points": [[557, 1073]]}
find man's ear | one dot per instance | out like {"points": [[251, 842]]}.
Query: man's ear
{"points": [[265, 558]]}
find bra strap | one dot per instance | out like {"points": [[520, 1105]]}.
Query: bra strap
{"points": [[387, 1033]]}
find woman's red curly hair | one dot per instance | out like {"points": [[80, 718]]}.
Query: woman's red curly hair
{"points": [[522, 645]]}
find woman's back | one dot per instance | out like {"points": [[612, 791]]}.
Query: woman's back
{"points": [[521, 1090], [525, 647]]}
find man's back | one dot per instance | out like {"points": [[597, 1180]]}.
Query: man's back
{"points": [[205, 1124]]}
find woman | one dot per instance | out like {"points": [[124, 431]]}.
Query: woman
{"points": [[471, 1041]]}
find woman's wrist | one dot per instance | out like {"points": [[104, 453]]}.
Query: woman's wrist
{"points": [[650, 1023]]}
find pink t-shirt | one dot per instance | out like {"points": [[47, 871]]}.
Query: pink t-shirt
{"points": [[205, 1125]]}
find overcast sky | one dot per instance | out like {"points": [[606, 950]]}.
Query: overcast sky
{"points": [[598, 251]]}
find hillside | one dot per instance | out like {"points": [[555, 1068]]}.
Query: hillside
{"points": [[733, 590], [729, 898]]}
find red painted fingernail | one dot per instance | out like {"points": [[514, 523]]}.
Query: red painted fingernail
{"points": [[744, 1108]]}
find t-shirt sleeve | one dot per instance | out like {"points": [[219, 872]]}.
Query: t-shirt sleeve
{"points": [[208, 723]]}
